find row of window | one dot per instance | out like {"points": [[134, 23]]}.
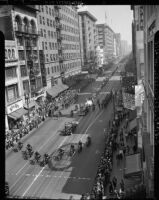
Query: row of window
{"points": [[27, 41], [52, 23], [50, 11], [65, 56], [55, 46], [64, 67]]}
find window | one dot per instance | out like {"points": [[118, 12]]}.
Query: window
{"points": [[42, 9], [38, 82], [49, 33], [52, 70], [50, 11], [50, 45], [23, 71], [43, 45], [21, 55], [26, 86], [43, 20], [47, 21], [50, 23], [46, 9], [40, 19], [44, 33], [10, 73], [55, 69], [20, 41], [48, 70], [46, 45], [41, 32], [12, 93], [52, 34]]}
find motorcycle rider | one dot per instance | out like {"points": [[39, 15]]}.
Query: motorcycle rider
{"points": [[37, 156], [20, 145], [29, 147], [72, 148], [80, 145], [88, 140], [46, 157]]}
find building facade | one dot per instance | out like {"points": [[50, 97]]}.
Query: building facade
{"points": [[101, 34], [109, 44], [146, 19], [60, 41], [117, 37], [22, 24], [100, 57], [89, 37]]}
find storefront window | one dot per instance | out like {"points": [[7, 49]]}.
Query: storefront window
{"points": [[23, 71], [12, 93], [10, 73]]}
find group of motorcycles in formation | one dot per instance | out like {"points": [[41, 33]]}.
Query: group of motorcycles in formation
{"points": [[45, 159]]}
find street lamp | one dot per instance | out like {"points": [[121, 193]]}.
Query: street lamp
{"points": [[113, 92], [27, 101]]}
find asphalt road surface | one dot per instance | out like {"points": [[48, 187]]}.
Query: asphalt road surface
{"points": [[72, 175]]}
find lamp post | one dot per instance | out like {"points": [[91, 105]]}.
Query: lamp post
{"points": [[27, 101], [113, 92]]}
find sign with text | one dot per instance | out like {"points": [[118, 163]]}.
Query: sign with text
{"points": [[14, 107]]}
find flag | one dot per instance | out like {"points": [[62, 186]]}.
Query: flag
{"points": [[128, 84], [128, 100]]}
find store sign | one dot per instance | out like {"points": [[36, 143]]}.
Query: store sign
{"points": [[10, 64], [22, 62], [14, 107], [20, 48]]}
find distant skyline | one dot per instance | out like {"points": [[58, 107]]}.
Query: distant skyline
{"points": [[118, 17]]}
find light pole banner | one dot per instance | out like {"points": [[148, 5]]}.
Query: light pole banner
{"points": [[139, 95]]}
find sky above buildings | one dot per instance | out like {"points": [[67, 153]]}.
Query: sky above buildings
{"points": [[118, 17]]}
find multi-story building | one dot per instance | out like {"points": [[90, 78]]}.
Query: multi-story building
{"points": [[146, 19], [19, 23], [89, 38], [60, 41], [101, 34], [100, 56], [81, 40], [109, 44], [13, 101], [117, 37]]}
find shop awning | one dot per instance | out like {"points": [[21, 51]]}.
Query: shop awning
{"points": [[57, 89], [18, 113], [133, 165], [31, 104], [132, 124]]}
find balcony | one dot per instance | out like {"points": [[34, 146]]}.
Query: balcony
{"points": [[26, 30]]}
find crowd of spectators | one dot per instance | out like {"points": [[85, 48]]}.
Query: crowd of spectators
{"points": [[42, 110]]}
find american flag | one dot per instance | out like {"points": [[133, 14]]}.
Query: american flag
{"points": [[128, 84], [128, 100]]}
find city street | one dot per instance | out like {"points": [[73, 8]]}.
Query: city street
{"points": [[70, 176]]}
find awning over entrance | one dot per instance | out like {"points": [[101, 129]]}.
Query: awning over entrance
{"points": [[132, 124], [57, 89], [31, 105], [133, 165], [18, 113]]}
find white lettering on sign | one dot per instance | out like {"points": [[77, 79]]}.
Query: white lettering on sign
{"points": [[14, 107]]}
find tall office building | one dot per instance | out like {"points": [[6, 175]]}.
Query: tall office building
{"points": [[145, 37], [101, 34], [89, 38], [60, 41], [117, 37], [109, 44], [19, 23]]}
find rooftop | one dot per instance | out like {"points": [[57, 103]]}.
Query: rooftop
{"points": [[88, 14]]}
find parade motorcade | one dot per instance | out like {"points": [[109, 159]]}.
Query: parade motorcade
{"points": [[84, 110], [69, 128], [59, 155]]}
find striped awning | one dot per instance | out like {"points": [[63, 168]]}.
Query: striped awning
{"points": [[18, 113]]}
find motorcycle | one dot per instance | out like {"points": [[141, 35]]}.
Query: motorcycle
{"points": [[72, 150], [20, 145], [25, 155]]}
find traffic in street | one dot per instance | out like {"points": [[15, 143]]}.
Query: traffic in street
{"points": [[71, 175]]}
